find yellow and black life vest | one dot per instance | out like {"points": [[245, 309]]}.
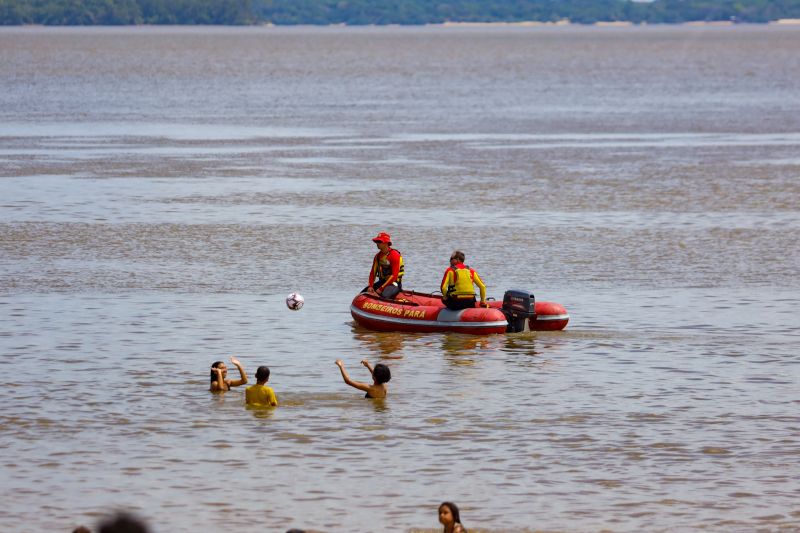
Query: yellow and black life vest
{"points": [[461, 284], [385, 267]]}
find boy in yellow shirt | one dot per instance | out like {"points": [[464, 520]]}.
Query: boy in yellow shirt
{"points": [[259, 395]]}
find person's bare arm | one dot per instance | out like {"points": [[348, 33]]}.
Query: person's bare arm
{"points": [[356, 384], [366, 364], [242, 374]]}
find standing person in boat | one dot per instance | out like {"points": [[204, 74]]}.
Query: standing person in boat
{"points": [[457, 284], [380, 377], [387, 267], [219, 376]]}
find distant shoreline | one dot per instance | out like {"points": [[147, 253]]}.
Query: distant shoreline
{"points": [[400, 12], [455, 25], [620, 23]]}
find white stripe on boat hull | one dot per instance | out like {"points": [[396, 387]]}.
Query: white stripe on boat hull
{"points": [[542, 318], [426, 323]]}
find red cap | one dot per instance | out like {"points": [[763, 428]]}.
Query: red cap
{"points": [[383, 237]]}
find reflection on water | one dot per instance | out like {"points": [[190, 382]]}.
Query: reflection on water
{"points": [[162, 195], [260, 412], [383, 344], [460, 344]]}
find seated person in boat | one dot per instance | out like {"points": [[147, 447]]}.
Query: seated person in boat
{"points": [[458, 291], [380, 377], [387, 267], [260, 395]]}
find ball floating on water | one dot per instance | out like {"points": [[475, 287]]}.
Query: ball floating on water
{"points": [[295, 301]]}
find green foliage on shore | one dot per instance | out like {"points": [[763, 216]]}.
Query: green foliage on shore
{"points": [[125, 12], [359, 12]]}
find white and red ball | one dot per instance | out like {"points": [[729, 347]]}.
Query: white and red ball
{"points": [[295, 301]]}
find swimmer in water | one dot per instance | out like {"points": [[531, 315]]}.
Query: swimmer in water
{"points": [[219, 373], [260, 395], [450, 518], [380, 377]]}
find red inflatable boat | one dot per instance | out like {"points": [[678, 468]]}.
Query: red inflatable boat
{"points": [[416, 311]]}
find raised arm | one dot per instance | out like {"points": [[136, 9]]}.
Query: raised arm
{"points": [[219, 384], [366, 364], [356, 384], [242, 374]]}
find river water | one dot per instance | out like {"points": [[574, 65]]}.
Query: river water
{"points": [[163, 189]]}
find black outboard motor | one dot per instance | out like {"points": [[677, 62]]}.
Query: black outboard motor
{"points": [[518, 306]]}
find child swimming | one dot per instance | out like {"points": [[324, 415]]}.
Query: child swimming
{"points": [[450, 518], [380, 376], [219, 373], [259, 395]]}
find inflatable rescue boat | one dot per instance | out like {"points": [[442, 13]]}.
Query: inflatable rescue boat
{"points": [[422, 312]]}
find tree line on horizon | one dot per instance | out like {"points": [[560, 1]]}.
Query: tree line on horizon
{"points": [[382, 12]]}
